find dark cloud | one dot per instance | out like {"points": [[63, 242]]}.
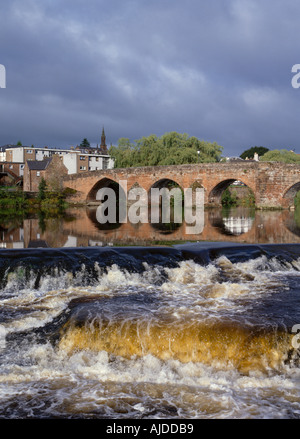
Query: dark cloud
{"points": [[217, 70]]}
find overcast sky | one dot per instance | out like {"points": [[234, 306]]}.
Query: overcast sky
{"points": [[219, 70]]}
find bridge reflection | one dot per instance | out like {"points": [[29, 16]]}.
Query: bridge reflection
{"points": [[81, 229], [234, 221]]}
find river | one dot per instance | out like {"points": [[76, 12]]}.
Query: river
{"points": [[143, 322]]}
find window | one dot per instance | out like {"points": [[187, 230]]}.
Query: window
{"points": [[82, 157], [38, 174], [29, 151], [82, 168], [11, 167]]}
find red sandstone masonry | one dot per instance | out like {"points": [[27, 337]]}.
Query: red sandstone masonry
{"points": [[273, 184]]}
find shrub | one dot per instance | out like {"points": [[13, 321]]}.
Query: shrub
{"points": [[228, 198]]}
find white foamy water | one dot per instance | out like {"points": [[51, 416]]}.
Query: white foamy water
{"points": [[43, 377]]}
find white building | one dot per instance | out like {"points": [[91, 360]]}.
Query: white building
{"points": [[76, 159]]}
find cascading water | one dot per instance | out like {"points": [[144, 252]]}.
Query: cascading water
{"points": [[193, 331]]}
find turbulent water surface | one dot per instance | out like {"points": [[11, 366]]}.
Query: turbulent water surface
{"points": [[190, 331]]}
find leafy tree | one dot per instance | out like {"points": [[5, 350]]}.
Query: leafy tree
{"points": [[281, 155], [297, 199], [170, 149], [260, 150], [229, 198], [42, 189], [85, 143], [19, 143]]}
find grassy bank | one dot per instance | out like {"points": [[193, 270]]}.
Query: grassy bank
{"points": [[12, 202], [15, 202]]}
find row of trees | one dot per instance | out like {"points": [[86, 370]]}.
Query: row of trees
{"points": [[276, 155], [174, 149], [281, 155], [249, 153], [170, 149]]}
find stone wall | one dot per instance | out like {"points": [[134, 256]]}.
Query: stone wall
{"points": [[55, 173]]}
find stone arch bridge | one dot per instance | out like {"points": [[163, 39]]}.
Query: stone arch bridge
{"points": [[274, 185]]}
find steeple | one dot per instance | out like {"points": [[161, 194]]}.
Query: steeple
{"points": [[103, 141]]}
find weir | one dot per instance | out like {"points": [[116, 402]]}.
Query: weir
{"points": [[228, 345]]}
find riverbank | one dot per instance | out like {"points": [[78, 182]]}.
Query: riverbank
{"points": [[15, 202]]}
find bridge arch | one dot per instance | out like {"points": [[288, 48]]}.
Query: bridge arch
{"points": [[119, 199], [166, 207], [103, 183], [215, 195], [165, 183], [289, 195]]}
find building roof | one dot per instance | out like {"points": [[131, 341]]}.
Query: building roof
{"points": [[234, 159], [91, 150], [94, 151], [5, 147], [38, 165]]}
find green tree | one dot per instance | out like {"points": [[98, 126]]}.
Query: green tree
{"points": [[19, 143], [42, 189], [281, 155], [297, 199], [122, 153], [85, 143], [260, 150], [170, 149], [229, 198]]}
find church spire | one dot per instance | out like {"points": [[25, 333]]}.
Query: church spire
{"points": [[103, 140]]}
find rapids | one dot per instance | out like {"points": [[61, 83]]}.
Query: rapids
{"points": [[190, 331]]}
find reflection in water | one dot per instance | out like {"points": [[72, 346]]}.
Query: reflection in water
{"points": [[235, 221], [293, 222], [237, 226], [80, 229]]}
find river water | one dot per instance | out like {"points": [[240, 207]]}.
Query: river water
{"points": [[141, 322]]}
